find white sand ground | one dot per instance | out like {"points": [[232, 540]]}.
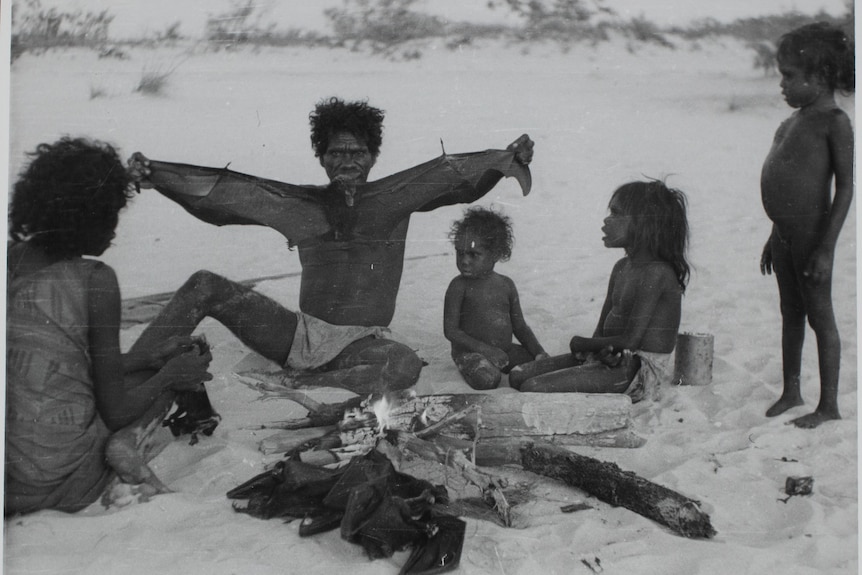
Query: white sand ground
{"points": [[703, 118]]}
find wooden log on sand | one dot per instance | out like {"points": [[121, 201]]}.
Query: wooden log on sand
{"points": [[502, 423], [608, 482], [498, 423]]}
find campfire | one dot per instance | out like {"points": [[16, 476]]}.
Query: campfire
{"points": [[472, 433]]}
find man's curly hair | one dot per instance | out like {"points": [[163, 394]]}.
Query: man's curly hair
{"points": [[493, 227], [67, 199], [334, 115]]}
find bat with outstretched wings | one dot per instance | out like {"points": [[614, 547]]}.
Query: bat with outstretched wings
{"points": [[342, 209]]}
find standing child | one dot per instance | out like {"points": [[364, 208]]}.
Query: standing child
{"points": [[78, 412], [482, 311], [814, 144], [642, 309]]}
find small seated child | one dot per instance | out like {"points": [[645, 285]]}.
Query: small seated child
{"points": [[482, 311], [630, 350]]}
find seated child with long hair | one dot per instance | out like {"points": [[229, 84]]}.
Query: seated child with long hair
{"points": [[482, 310], [630, 349]]}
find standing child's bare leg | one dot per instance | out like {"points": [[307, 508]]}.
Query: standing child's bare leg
{"points": [[821, 317], [792, 326]]}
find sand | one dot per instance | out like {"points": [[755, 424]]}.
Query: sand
{"points": [[700, 116]]}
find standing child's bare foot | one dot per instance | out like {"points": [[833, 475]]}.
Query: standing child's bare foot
{"points": [[783, 404], [814, 419]]}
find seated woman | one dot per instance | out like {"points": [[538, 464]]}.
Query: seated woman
{"points": [[630, 350], [78, 412]]}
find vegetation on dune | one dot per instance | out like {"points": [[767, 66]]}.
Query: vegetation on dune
{"points": [[244, 24], [153, 81], [396, 29], [35, 28]]}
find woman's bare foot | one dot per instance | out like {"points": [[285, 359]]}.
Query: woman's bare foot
{"points": [[121, 494]]}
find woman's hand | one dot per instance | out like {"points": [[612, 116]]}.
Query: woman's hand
{"points": [[186, 371], [169, 348]]}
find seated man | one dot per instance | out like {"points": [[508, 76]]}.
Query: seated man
{"points": [[350, 235]]}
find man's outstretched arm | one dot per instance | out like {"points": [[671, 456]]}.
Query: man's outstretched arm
{"points": [[222, 197], [522, 149]]}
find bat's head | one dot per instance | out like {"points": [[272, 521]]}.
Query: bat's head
{"points": [[346, 188]]}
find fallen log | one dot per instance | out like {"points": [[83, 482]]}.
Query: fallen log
{"points": [[497, 419], [609, 483]]}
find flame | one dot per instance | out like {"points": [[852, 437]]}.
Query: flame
{"points": [[382, 409]]}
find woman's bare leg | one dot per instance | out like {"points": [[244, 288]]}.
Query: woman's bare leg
{"points": [[130, 449]]}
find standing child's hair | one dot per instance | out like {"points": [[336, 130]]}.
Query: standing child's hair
{"points": [[494, 228], [659, 222], [67, 199], [821, 50]]}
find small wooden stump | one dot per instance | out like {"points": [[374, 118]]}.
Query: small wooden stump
{"points": [[693, 363]]}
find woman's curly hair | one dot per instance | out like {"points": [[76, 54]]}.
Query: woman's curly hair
{"points": [[335, 115], [67, 199], [494, 228]]}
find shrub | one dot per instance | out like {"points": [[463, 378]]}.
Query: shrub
{"points": [[383, 23], [154, 81], [242, 24], [34, 27], [563, 21], [97, 92]]}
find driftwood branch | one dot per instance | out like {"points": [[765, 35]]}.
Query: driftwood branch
{"points": [[608, 482]]}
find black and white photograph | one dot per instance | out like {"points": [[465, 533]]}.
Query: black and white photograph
{"points": [[421, 286]]}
